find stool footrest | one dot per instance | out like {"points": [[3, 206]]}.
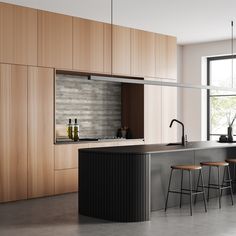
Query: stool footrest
{"points": [[188, 192], [215, 186]]}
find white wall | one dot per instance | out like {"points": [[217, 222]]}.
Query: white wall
{"points": [[193, 71]]}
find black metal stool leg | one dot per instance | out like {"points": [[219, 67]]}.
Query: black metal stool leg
{"points": [[223, 181], [230, 184], [234, 178], [181, 190], [203, 189], [209, 181], [168, 189], [191, 193], [219, 188], [195, 197]]}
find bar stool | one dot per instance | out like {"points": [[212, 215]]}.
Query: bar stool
{"points": [[226, 183], [232, 162], [189, 191]]}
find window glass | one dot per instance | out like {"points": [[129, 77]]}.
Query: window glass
{"points": [[221, 104]]}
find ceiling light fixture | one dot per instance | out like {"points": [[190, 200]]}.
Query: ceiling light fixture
{"points": [[158, 81], [232, 51]]}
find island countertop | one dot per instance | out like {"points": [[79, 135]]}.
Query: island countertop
{"points": [[162, 148], [126, 183]]}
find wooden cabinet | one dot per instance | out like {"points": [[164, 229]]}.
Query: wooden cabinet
{"points": [[54, 40], [89, 45], [66, 167], [13, 132], [66, 156], [172, 57], [66, 181], [160, 107], [166, 57], [121, 51], [40, 132], [142, 53], [107, 49], [18, 35], [152, 113], [169, 112], [161, 56]]}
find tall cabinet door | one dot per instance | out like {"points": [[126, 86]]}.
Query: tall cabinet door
{"points": [[13, 132], [18, 34], [40, 132], [88, 50], [152, 113], [166, 56], [121, 50], [54, 40], [169, 112], [142, 53]]}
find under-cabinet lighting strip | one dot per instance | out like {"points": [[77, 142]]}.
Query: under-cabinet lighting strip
{"points": [[159, 83]]}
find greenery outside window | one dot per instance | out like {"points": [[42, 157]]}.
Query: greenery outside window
{"points": [[220, 104]]}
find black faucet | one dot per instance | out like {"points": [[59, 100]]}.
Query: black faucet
{"points": [[183, 141]]}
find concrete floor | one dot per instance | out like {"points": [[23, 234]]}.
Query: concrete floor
{"points": [[58, 216]]}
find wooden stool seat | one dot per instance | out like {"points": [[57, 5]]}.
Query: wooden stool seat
{"points": [[216, 164], [186, 167], [231, 160]]}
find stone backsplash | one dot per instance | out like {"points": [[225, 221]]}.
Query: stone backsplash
{"points": [[96, 105]]}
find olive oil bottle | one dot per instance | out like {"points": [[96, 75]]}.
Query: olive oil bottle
{"points": [[76, 131], [70, 130]]}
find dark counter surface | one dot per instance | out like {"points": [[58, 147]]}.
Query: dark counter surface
{"points": [[162, 148]]}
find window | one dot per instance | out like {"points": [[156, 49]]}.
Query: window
{"points": [[221, 105]]}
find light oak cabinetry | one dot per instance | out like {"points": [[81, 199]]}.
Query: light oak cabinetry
{"points": [[66, 156], [66, 181], [107, 49], [40, 132], [89, 45], [30, 164], [13, 132], [166, 57], [142, 53], [169, 112], [172, 57], [160, 107], [66, 167], [152, 113], [18, 35], [121, 51], [54, 40]]}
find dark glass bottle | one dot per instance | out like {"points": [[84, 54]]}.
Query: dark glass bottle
{"points": [[76, 131], [69, 130]]}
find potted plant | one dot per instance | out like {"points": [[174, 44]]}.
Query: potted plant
{"points": [[230, 127]]}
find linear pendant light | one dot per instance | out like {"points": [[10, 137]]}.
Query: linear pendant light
{"points": [[232, 51], [157, 81], [160, 83]]}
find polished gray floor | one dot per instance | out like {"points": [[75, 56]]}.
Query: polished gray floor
{"points": [[58, 216]]}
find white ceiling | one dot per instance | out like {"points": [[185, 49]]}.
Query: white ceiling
{"points": [[192, 21]]}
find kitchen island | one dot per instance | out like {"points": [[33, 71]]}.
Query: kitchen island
{"points": [[127, 183]]}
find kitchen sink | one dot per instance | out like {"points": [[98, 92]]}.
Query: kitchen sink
{"points": [[174, 144]]}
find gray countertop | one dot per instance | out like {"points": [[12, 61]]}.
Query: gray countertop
{"points": [[161, 148]]}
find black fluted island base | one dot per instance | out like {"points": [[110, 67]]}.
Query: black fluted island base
{"points": [[125, 184], [114, 186]]}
